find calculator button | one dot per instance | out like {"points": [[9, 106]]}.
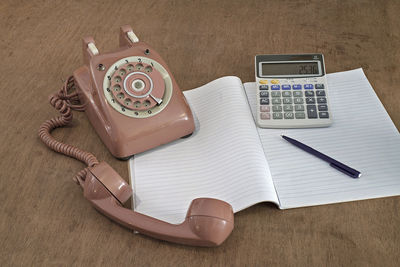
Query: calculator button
{"points": [[319, 86], [275, 87], [309, 93], [308, 86], [264, 108], [324, 115], [298, 100], [300, 115], [299, 107], [297, 93], [287, 107], [276, 100], [320, 93], [312, 112], [265, 116], [276, 108], [276, 93], [321, 100], [277, 116], [263, 87], [264, 93], [286, 93], [287, 101], [289, 115], [275, 81], [296, 86], [322, 107], [263, 81], [286, 87], [264, 101], [310, 100]]}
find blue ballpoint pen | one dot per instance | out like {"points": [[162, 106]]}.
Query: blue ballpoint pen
{"points": [[332, 162]]}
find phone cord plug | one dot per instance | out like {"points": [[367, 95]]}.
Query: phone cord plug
{"points": [[65, 101]]}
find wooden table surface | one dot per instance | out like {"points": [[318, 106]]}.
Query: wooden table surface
{"points": [[44, 217]]}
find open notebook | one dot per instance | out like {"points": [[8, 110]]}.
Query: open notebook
{"points": [[229, 158]]}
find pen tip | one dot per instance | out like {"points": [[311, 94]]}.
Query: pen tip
{"points": [[282, 135]]}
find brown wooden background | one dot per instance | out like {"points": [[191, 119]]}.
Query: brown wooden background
{"points": [[44, 218]]}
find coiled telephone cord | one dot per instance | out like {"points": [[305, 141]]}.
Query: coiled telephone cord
{"points": [[65, 101]]}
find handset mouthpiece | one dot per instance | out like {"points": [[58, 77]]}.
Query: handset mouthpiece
{"points": [[211, 220]]}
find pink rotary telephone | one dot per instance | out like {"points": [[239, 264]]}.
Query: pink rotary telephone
{"points": [[134, 104]]}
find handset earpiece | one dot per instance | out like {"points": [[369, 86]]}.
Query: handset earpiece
{"points": [[208, 221]]}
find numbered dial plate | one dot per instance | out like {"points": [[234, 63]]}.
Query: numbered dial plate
{"points": [[137, 87]]}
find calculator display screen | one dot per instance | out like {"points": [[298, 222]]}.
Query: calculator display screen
{"points": [[289, 68]]}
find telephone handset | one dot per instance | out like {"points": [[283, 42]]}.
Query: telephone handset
{"points": [[134, 104]]}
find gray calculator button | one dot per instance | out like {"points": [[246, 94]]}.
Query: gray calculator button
{"points": [[289, 115], [321, 100], [310, 100], [320, 93], [300, 115], [276, 100], [264, 101], [297, 93], [286, 93], [299, 107], [276, 108], [312, 112], [277, 116], [264, 93], [287, 101], [298, 100], [324, 115], [322, 107], [309, 93], [319, 86], [263, 87], [287, 107], [275, 93]]}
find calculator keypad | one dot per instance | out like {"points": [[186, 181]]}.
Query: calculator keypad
{"points": [[296, 101]]}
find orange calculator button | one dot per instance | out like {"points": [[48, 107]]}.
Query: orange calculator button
{"points": [[275, 81], [263, 81]]}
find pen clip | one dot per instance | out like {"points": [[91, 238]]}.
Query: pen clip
{"points": [[346, 170]]}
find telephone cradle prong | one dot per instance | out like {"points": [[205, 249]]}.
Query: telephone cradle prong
{"points": [[92, 47], [132, 36]]}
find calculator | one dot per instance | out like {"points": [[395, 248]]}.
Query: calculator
{"points": [[292, 91]]}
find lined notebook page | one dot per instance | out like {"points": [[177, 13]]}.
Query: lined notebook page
{"points": [[362, 136], [223, 159]]}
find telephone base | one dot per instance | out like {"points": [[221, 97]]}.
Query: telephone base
{"points": [[126, 136], [128, 157]]}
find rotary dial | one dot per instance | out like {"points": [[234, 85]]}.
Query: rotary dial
{"points": [[137, 87]]}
